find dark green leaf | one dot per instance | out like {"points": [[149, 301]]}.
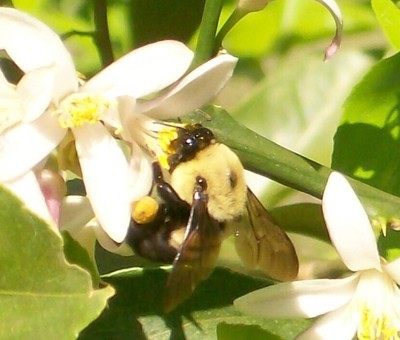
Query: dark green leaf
{"points": [[78, 255], [135, 311], [367, 144], [42, 295]]}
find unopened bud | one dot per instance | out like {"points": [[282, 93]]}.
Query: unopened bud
{"points": [[252, 5]]}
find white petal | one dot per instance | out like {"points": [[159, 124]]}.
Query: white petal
{"points": [[334, 9], [143, 71], [36, 91], [31, 45], [27, 189], [193, 91], [140, 174], [11, 107], [25, 145], [6, 89], [298, 299], [332, 326], [348, 225], [393, 269], [105, 174], [77, 219], [107, 243], [76, 212]]}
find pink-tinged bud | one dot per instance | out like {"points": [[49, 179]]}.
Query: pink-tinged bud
{"points": [[54, 189]]}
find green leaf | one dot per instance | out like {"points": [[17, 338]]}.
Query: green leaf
{"points": [[367, 143], [135, 311], [42, 295], [276, 330], [388, 15], [299, 106], [302, 218], [78, 255]]}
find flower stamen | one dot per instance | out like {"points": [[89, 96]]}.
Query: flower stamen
{"points": [[81, 108], [378, 317]]}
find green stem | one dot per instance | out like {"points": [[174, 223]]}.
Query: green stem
{"points": [[232, 20], [208, 28], [102, 34], [269, 159]]}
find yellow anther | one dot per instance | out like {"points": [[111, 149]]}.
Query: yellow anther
{"points": [[81, 108], [165, 137], [378, 316]]}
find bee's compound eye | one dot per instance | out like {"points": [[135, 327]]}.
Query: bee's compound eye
{"points": [[144, 210]]}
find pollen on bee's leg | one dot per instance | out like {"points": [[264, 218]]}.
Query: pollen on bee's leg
{"points": [[144, 210]]}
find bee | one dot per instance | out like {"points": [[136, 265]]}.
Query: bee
{"points": [[204, 200]]}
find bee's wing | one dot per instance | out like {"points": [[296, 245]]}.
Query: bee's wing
{"points": [[261, 243], [197, 255]]}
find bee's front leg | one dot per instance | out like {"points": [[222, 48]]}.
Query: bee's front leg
{"points": [[166, 191]]}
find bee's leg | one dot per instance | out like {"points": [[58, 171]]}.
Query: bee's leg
{"points": [[166, 191]]}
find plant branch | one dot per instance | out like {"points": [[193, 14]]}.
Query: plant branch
{"points": [[208, 28], [102, 34]]}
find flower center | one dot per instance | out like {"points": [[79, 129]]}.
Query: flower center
{"points": [[377, 306], [81, 108]]}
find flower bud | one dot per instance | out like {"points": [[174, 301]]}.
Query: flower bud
{"points": [[252, 5]]}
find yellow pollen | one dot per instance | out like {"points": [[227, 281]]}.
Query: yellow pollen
{"points": [[81, 108], [165, 137], [144, 210], [163, 159], [376, 326], [375, 303], [160, 144]]}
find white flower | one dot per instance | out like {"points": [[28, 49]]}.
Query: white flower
{"points": [[77, 218], [28, 190], [366, 304], [138, 124], [49, 102]]}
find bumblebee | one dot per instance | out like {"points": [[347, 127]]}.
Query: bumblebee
{"points": [[204, 200]]}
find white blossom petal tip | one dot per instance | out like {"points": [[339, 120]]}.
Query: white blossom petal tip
{"points": [[348, 225], [143, 71], [31, 45], [24, 146], [194, 90], [306, 299], [334, 9]]}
